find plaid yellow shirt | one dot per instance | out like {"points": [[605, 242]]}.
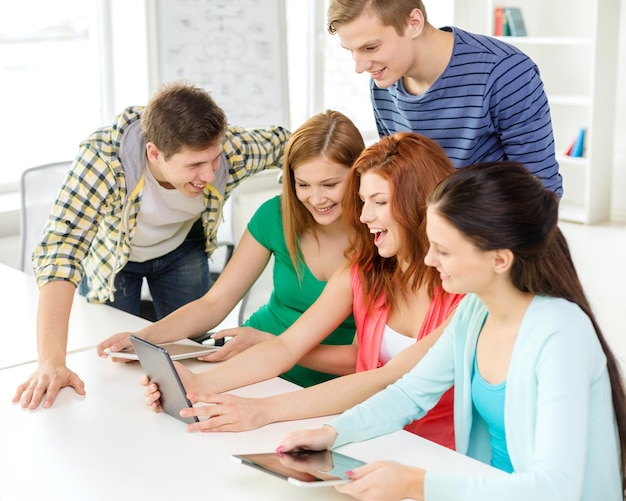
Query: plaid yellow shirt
{"points": [[91, 226]]}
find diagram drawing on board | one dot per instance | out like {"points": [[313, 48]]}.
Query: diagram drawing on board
{"points": [[235, 49]]}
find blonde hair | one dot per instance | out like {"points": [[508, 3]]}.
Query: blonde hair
{"points": [[395, 13]]}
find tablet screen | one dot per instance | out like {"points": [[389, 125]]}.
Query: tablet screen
{"points": [[304, 468]]}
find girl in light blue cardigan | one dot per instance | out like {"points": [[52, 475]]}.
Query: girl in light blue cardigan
{"points": [[537, 390]]}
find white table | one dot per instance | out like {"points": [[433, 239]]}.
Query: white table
{"points": [[89, 323], [109, 445]]}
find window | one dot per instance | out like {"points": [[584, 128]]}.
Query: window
{"points": [[50, 82], [331, 83]]}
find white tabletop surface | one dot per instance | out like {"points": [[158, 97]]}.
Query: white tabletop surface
{"points": [[109, 445], [89, 323]]}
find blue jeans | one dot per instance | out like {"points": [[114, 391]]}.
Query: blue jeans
{"points": [[174, 279]]}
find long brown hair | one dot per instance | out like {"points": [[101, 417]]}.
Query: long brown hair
{"points": [[501, 205], [331, 135], [413, 165]]}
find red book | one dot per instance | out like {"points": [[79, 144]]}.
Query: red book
{"points": [[498, 27]]}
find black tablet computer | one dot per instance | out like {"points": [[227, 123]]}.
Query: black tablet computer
{"points": [[157, 364], [304, 468]]}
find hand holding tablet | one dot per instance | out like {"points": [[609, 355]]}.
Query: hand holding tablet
{"points": [[304, 468], [158, 366]]}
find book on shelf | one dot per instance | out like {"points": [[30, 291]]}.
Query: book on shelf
{"points": [[577, 148], [515, 21], [501, 28], [509, 21]]}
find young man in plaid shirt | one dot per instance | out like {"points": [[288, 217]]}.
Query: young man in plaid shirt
{"points": [[143, 198]]}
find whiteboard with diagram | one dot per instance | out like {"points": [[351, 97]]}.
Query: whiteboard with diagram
{"points": [[235, 49]]}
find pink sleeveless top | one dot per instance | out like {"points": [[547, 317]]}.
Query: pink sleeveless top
{"points": [[437, 425]]}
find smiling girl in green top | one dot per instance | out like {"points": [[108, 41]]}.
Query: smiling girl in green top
{"points": [[304, 232]]}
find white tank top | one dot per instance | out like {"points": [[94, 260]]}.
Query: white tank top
{"points": [[393, 343]]}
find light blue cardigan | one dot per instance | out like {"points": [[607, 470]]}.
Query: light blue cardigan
{"points": [[559, 420]]}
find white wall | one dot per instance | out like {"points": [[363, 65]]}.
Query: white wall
{"points": [[618, 196], [440, 12], [130, 57]]}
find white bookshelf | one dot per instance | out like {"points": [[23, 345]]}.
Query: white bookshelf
{"points": [[575, 45]]}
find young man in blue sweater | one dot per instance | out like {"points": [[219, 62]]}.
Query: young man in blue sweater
{"points": [[480, 98]]}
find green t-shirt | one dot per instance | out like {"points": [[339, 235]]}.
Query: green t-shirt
{"points": [[289, 299]]}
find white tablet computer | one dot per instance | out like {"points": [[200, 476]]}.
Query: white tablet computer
{"points": [[304, 468], [178, 350], [157, 364]]}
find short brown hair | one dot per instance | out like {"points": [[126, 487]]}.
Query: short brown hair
{"points": [[182, 116], [391, 12]]}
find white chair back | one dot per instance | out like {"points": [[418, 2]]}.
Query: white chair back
{"points": [[39, 187], [245, 200]]}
